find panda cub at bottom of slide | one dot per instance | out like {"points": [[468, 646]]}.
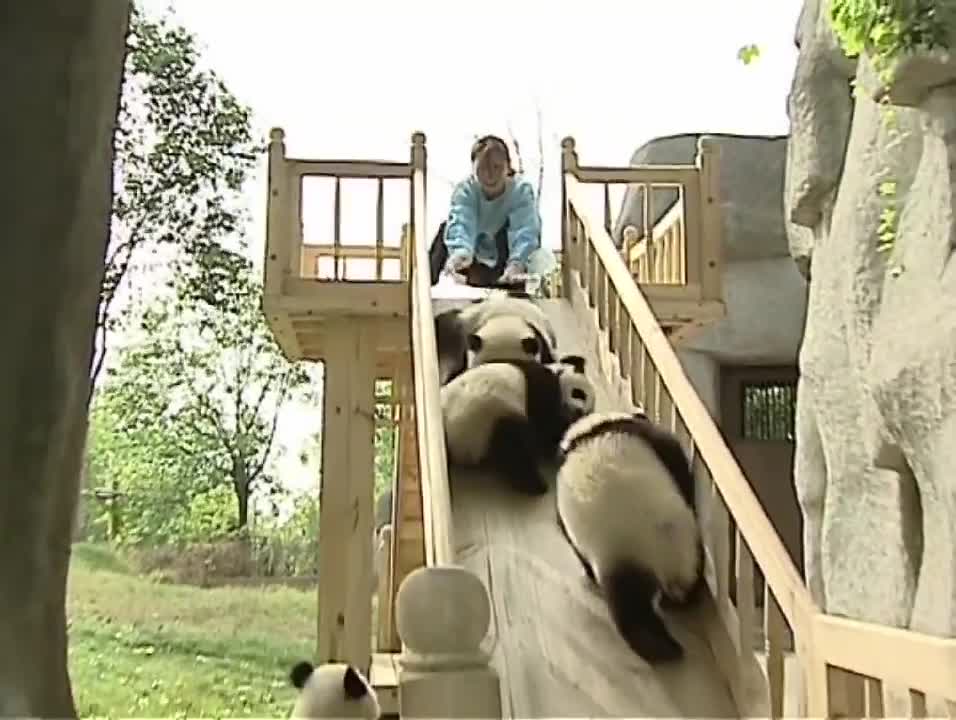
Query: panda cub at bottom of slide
{"points": [[510, 415], [625, 502], [332, 690]]}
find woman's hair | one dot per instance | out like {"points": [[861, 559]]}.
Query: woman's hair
{"points": [[487, 141]]}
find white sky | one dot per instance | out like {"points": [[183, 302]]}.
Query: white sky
{"points": [[354, 79]]}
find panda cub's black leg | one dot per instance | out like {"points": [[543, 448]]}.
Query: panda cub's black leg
{"points": [[512, 452], [630, 592]]}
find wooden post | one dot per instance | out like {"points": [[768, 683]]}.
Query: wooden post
{"points": [[346, 499], [710, 239], [443, 614], [569, 162]]}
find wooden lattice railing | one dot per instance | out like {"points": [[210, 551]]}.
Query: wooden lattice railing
{"points": [[658, 252], [292, 196], [340, 294], [840, 666]]}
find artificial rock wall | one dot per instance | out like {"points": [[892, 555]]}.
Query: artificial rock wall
{"points": [[876, 409]]}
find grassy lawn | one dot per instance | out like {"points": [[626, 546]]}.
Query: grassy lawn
{"points": [[143, 649]]}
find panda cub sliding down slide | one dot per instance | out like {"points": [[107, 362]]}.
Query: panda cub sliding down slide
{"points": [[498, 328], [625, 502], [511, 415]]}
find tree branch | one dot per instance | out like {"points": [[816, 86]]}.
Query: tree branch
{"points": [[266, 387], [514, 141], [107, 296], [215, 419], [267, 450]]}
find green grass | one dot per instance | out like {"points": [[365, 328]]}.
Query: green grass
{"points": [[142, 649]]}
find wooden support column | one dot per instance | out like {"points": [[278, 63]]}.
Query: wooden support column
{"points": [[347, 496]]}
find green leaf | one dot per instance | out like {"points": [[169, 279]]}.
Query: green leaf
{"points": [[748, 53]]}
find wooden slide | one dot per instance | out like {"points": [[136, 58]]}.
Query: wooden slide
{"points": [[554, 647]]}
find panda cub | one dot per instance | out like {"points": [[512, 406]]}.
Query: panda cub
{"points": [[451, 340], [332, 690], [497, 328], [510, 415], [625, 503]]}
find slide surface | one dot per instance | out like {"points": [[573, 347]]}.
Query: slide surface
{"points": [[555, 648]]}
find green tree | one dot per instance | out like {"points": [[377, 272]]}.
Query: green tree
{"points": [[887, 28], [386, 438], [169, 490], [184, 148], [883, 28], [208, 381]]}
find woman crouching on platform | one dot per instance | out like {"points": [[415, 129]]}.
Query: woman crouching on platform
{"points": [[493, 224]]}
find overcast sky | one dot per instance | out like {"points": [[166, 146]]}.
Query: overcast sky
{"points": [[354, 80]]}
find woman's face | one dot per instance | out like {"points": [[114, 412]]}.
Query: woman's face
{"points": [[491, 167]]}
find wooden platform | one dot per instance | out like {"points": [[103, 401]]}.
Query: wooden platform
{"points": [[302, 317], [384, 678]]}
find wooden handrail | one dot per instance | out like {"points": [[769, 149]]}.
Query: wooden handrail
{"points": [[914, 660], [768, 549], [433, 464], [349, 169], [843, 662]]}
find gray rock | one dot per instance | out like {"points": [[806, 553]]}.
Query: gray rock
{"points": [[875, 426]]}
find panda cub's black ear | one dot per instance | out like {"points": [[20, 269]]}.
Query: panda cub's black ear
{"points": [[300, 674], [474, 343], [575, 361], [353, 685]]}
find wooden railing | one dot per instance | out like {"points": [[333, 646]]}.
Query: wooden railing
{"points": [[342, 297], [663, 260], [334, 258], [432, 458], [658, 253], [840, 666], [443, 611]]}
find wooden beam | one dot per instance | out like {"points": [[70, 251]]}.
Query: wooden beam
{"points": [[345, 298]]}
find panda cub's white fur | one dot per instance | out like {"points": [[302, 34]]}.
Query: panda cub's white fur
{"points": [[498, 328], [333, 690], [506, 337], [488, 391], [525, 309], [511, 415], [625, 504], [624, 486]]}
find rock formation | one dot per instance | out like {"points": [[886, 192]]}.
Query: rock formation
{"points": [[878, 360], [913, 376]]}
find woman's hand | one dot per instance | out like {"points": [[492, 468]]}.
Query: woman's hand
{"points": [[457, 263]]}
